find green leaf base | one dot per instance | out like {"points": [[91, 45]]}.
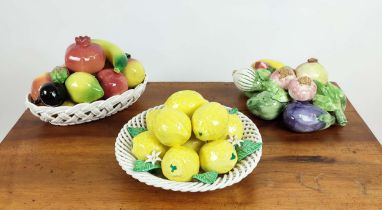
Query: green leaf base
{"points": [[246, 148], [142, 166], [207, 177], [135, 131]]}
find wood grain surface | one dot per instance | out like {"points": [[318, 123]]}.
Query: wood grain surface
{"points": [[51, 167]]}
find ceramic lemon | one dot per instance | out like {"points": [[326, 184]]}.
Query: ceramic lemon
{"points": [[235, 126], [172, 127], [186, 101], [150, 116], [180, 164], [218, 156], [144, 143], [134, 73], [210, 122], [194, 143]]}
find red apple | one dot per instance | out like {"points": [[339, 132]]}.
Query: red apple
{"points": [[37, 83], [113, 83]]}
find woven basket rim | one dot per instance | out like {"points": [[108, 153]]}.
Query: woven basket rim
{"points": [[223, 181]]}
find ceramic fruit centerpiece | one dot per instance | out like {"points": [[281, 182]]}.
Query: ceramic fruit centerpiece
{"points": [[303, 97], [190, 139], [94, 70]]}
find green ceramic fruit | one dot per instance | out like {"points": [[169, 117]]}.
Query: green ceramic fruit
{"points": [[265, 106], [83, 87]]}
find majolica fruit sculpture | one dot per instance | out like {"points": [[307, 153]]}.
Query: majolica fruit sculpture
{"points": [[303, 96], [194, 139], [94, 69]]}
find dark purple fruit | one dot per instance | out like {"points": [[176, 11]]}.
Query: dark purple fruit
{"points": [[53, 94], [305, 117]]}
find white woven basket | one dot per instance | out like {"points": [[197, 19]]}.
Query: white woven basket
{"points": [[86, 112], [243, 168]]}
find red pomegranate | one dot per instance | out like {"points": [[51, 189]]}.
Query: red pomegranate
{"points": [[85, 56]]}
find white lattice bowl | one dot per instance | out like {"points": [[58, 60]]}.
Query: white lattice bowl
{"points": [[243, 168], [86, 112]]}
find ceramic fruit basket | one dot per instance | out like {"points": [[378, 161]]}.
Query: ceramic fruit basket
{"points": [[304, 97], [176, 171], [86, 112], [98, 80]]}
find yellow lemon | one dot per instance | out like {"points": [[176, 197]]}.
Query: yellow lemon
{"points": [[150, 116], [194, 143], [172, 127], [218, 156], [235, 126], [186, 101], [144, 143], [180, 164], [134, 73], [210, 122]]}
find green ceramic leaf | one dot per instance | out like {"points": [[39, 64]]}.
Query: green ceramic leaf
{"points": [[328, 119], [135, 131], [325, 103], [278, 93], [142, 166], [247, 147], [263, 74], [207, 177], [233, 111], [332, 99], [281, 95]]}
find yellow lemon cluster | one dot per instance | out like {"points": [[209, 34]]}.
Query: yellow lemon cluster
{"points": [[191, 133]]}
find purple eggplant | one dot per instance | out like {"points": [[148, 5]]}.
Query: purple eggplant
{"points": [[305, 117]]}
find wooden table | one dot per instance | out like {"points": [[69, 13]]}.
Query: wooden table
{"points": [[51, 167]]}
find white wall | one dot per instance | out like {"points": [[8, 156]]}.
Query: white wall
{"points": [[197, 41]]}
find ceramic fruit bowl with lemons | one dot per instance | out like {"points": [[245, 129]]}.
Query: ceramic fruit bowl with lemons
{"points": [[98, 79], [189, 144]]}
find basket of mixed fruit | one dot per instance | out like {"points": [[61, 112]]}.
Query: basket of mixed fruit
{"points": [[189, 144], [303, 97], [98, 80]]}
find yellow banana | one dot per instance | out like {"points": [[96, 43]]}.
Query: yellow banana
{"points": [[113, 53]]}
